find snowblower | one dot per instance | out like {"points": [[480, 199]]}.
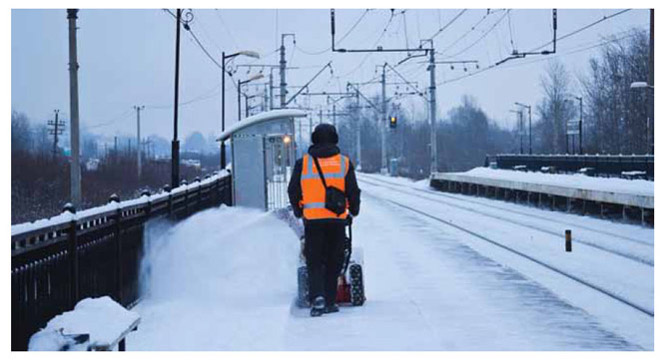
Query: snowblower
{"points": [[350, 286]]}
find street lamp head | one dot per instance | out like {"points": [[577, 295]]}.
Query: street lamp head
{"points": [[252, 54], [255, 77]]}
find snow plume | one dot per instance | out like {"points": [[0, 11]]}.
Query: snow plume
{"points": [[212, 272]]}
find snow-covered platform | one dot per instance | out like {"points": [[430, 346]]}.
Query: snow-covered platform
{"points": [[569, 192], [225, 279]]}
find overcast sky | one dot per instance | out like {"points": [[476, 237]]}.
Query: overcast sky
{"points": [[126, 58]]}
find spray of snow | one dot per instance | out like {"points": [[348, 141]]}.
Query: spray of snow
{"points": [[209, 277]]}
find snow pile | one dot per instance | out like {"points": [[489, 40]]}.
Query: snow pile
{"points": [[102, 318], [579, 181], [221, 279]]}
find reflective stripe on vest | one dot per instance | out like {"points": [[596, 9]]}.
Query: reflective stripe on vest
{"points": [[334, 170]]}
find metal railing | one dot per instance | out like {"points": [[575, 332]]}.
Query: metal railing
{"points": [[107, 247], [605, 165]]}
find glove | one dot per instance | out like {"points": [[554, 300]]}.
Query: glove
{"points": [[297, 212]]}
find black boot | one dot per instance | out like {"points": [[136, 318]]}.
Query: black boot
{"points": [[318, 306], [331, 309]]}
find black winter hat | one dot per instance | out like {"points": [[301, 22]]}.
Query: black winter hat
{"points": [[325, 134]]}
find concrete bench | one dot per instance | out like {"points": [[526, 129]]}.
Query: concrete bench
{"points": [[98, 324]]}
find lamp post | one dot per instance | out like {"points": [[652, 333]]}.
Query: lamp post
{"points": [[579, 127], [649, 88], [252, 54], [529, 108], [240, 84], [175, 145]]}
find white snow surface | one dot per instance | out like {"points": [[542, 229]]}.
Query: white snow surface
{"points": [[225, 279], [578, 181], [102, 318]]}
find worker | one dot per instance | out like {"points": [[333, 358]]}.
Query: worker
{"points": [[325, 210]]}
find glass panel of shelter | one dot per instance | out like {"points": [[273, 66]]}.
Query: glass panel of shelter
{"points": [[278, 158]]}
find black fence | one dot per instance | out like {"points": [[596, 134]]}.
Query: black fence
{"points": [[107, 247], [604, 165]]}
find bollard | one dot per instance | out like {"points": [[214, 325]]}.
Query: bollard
{"points": [[569, 241]]}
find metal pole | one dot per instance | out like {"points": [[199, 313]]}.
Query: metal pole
{"points": [[222, 149], [310, 125], [432, 111], [239, 105], [246, 106], [521, 131], [334, 116], [138, 139], [271, 91], [55, 135], [74, 166], [359, 127], [650, 87], [530, 147], [580, 124], [282, 75], [175, 144], [382, 121]]}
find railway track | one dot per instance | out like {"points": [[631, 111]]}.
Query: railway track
{"points": [[399, 188], [523, 255], [469, 199]]}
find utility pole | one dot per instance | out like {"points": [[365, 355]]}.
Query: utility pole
{"points": [[282, 71], [310, 125], [271, 91], [650, 82], [359, 127], [432, 111], [382, 121], [74, 167], [58, 129], [528, 107], [580, 123], [522, 133], [518, 114], [138, 139], [175, 144], [334, 116], [222, 149]]}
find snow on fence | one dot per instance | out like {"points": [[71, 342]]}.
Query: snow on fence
{"points": [[107, 242]]}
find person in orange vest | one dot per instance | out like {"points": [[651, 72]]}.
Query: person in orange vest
{"points": [[325, 204]]}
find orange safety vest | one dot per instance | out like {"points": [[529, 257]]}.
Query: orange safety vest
{"points": [[313, 200]]}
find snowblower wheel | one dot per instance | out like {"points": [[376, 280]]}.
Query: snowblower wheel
{"points": [[357, 286], [303, 288]]}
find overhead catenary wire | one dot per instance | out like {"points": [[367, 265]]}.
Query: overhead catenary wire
{"points": [[473, 28], [569, 52], [577, 31], [196, 39], [484, 34], [443, 28]]}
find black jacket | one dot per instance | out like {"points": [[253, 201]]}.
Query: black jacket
{"points": [[350, 184]]}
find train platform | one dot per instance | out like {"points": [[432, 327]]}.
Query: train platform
{"points": [[629, 200]]}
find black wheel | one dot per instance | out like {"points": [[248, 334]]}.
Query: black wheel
{"points": [[303, 288], [357, 286]]}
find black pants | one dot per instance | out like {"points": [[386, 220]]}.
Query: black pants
{"points": [[324, 250]]}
